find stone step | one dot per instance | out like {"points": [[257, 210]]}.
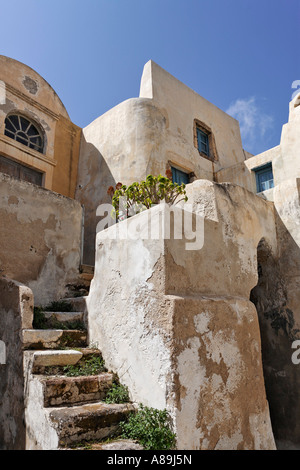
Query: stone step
{"points": [[78, 303], [65, 318], [94, 421], [116, 444], [87, 269], [42, 359], [53, 339], [62, 391], [51, 362]]}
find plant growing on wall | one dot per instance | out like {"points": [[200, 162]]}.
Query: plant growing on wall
{"points": [[130, 200]]}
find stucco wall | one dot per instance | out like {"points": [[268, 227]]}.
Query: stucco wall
{"points": [[40, 236], [277, 298], [284, 158], [287, 164], [148, 135], [16, 313], [178, 326], [182, 105]]}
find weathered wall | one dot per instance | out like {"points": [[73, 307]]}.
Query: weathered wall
{"points": [[40, 236], [277, 300], [286, 165], [284, 158], [148, 135], [27, 93], [116, 147], [16, 313], [182, 105], [177, 324], [66, 152]]}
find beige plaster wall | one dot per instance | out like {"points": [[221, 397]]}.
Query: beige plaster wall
{"points": [[40, 238], [182, 105], [27, 93], [147, 135], [286, 165]]}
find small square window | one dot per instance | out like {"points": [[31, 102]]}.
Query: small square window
{"points": [[264, 177], [179, 176], [203, 142]]}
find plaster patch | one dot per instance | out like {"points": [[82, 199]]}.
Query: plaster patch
{"points": [[30, 85], [192, 376], [201, 322]]}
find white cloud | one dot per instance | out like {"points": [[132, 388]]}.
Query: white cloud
{"points": [[254, 123]]}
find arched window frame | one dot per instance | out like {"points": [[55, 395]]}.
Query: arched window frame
{"points": [[25, 130]]}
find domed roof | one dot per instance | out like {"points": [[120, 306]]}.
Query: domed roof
{"points": [[30, 83]]}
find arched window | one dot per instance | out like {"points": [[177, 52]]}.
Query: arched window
{"points": [[23, 130]]}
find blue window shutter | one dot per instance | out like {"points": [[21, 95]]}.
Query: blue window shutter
{"points": [[202, 139], [264, 177], [179, 176]]}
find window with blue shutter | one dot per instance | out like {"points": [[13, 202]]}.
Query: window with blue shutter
{"points": [[203, 142], [179, 176], [264, 177]]}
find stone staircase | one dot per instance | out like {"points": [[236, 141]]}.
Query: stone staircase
{"points": [[65, 408], [82, 287]]}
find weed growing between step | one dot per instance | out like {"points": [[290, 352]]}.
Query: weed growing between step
{"points": [[150, 427], [118, 393], [93, 365]]}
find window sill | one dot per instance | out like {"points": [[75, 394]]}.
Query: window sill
{"points": [[22, 148]]}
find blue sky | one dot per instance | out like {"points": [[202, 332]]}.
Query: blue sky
{"points": [[239, 54]]}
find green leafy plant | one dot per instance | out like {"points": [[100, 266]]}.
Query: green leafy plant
{"points": [[141, 196], [91, 366], [118, 393], [150, 427]]}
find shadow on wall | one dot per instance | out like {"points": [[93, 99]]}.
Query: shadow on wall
{"points": [[94, 178], [276, 298]]}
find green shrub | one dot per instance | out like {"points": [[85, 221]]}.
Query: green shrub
{"points": [[150, 427], [91, 366], [118, 393], [140, 196]]}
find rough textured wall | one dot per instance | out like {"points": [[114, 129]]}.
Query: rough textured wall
{"points": [[287, 164], [148, 135], [16, 313], [117, 147], [66, 153], [277, 300], [183, 105], [40, 237], [31, 84], [178, 326]]}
